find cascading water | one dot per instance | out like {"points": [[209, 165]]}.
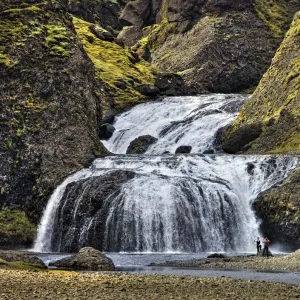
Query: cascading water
{"points": [[186, 203]]}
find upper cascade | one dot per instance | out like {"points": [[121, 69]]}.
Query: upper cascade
{"points": [[176, 121]]}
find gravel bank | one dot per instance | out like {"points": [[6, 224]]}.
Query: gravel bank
{"points": [[71, 285], [278, 263]]}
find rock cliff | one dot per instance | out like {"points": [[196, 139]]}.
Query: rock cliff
{"points": [[50, 103]]}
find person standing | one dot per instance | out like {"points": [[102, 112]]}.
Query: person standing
{"points": [[266, 246], [258, 245]]}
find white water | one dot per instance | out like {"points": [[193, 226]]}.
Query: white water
{"points": [[174, 203], [176, 121]]}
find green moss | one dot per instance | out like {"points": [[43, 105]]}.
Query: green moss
{"points": [[275, 14], [4, 60], [58, 40], [15, 226], [114, 63]]}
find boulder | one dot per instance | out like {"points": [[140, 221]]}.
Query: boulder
{"points": [[110, 119], [148, 90], [106, 131], [101, 34], [171, 84], [140, 144], [209, 151], [183, 149], [87, 259], [241, 138], [216, 255], [129, 36]]}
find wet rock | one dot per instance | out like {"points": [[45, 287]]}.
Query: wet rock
{"points": [[110, 119], [209, 151], [106, 131], [243, 136], [121, 84], [140, 144], [216, 255], [88, 259], [183, 149], [148, 90]]}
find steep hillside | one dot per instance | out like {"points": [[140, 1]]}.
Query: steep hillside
{"points": [[216, 46], [270, 123], [50, 104], [274, 109]]}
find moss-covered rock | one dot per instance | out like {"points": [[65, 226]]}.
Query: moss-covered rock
{"points": [[15, 228], [49, 104], [275, 103], [114, 64], [279, 212]]}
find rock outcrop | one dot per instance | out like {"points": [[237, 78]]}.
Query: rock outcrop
{"points": [[216, 46], [141, 144], [87, 259], [95, 194], [275, 103], [50, 103]]}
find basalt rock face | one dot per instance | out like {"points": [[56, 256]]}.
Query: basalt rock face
{"points": [[216, 46], [275, 103], [279, 210], [81, 224], [50, 103]]}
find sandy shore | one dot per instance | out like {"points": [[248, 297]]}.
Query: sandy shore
{"points": [[289, 262], [17, 284]]}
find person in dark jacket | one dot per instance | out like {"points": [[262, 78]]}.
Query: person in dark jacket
{"points": [[258, 245], [266, 246]]}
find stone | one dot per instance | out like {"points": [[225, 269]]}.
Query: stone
{"points": [[148, 90], [209, 151], [120, 84], [106, 131], [183, 149], [216, 255], [87, 259], [101, 34], [129, 36], [140, 144], [242, 137], [110, 119]]}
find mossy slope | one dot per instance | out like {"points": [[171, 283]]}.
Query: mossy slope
{"points": [[275, 103], [49, 103], [116, 67]]}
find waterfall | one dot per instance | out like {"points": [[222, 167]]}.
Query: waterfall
{"points": [[181, 203], [176, 121]]}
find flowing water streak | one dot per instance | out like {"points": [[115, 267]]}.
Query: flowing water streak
{"points": [[176, 121]]}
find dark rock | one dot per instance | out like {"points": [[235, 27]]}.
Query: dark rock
{"points": [[136, 13], [216, 255], [243, 136], [172, 85], [101, 34], [129, 36], [120, 84], [109, 119], [148, 90], [140, 144], [89, 199], [22, 256], [209, 151], [105, 13], [87, 259], [279, 212], [183, 149], [106, 131], [166, 152]]}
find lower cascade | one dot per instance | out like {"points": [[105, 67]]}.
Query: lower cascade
{"points": [[162, 203]]}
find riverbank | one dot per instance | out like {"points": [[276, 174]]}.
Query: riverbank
{"points": [[16, 284], [289, 262]]}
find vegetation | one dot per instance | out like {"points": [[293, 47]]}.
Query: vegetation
{"points": [[15, 227], [114, 64]]}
